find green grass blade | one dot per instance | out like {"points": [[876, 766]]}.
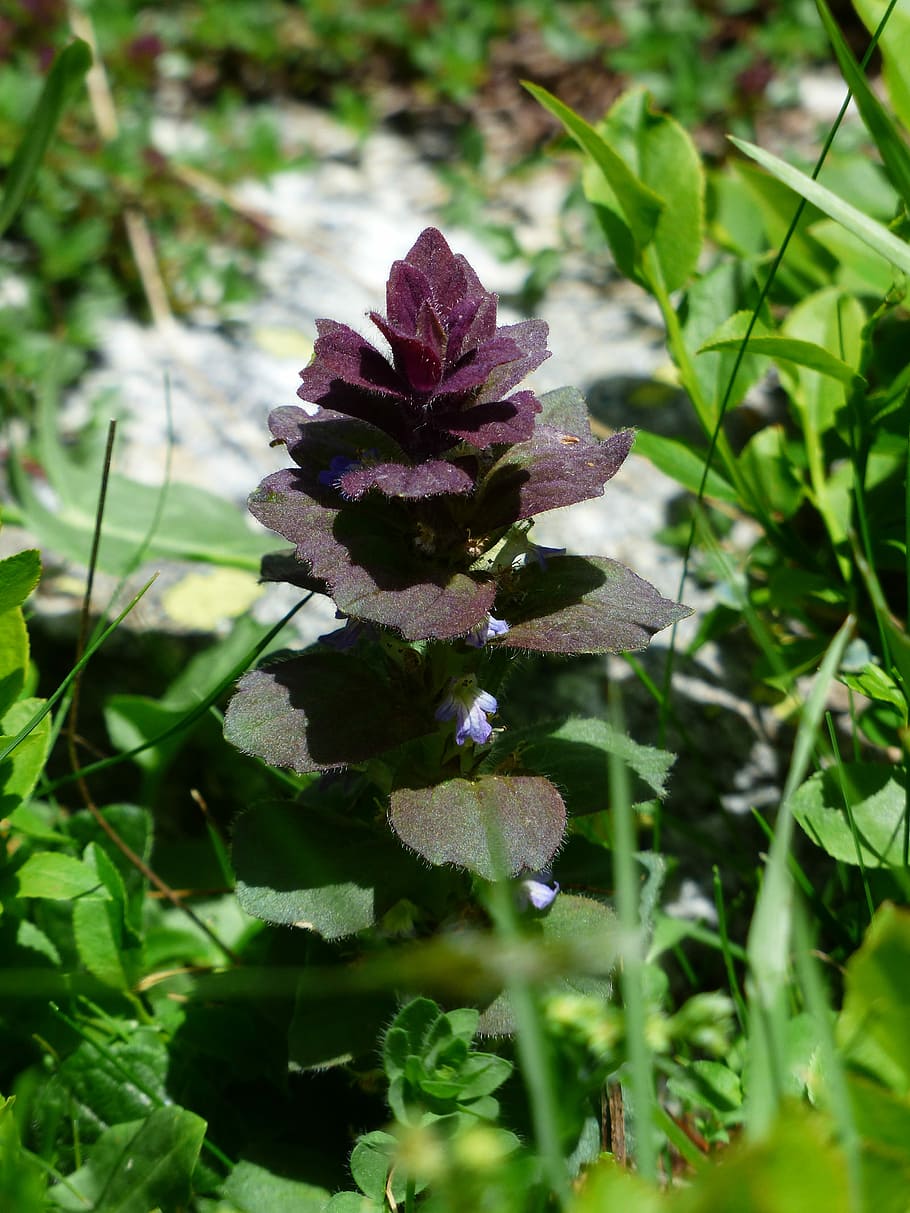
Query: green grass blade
{"points": [[74, 673], [872, 233], [68, 70], [877, 120], [817, 1003], [625, 868], [768, 946]]}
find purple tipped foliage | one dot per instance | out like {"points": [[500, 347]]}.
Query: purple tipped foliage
{"points": [[415, 466]]}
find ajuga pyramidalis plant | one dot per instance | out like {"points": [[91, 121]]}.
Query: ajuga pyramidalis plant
{"points": [[417, 475]]}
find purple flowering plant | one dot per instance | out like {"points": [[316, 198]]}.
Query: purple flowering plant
{"points": [[417, 474]]}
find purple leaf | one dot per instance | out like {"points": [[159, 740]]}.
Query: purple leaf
{"points": [[553, 468], [495, 826], [428, 479], [366, 555], [484, 425], [583, 604]]}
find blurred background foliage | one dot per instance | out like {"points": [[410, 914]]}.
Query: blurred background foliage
{"points": [[191, 95]]}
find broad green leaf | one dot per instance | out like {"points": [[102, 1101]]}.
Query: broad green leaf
{"points": [[56, 877], [372, 1160], [833, 321], [872, 1027], [14, 651], [98, 936], [300, 867], [98, 925], [883, 1123], [138, 1166], [117, 1073], [877, 120], [712, 1085], [876, 235], [685, 463], [639, 205], [769, 467], [706, 305], [585, 931], [876, 683], [19, 772], [663, 157], [494, 826], [18, 577], [62, 80], [895, 47], [573, 755], [253, 1189], [875, 799]]}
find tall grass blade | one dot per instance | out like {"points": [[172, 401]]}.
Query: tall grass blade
{"points": [[870, 231], [64, 77], [768, 946], [877, 120], [625, 867]]}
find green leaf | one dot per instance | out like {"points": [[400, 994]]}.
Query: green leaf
{"points": [[895, 48], [299, 867], [877, 802], [708, 303], [22, 1180], [98, 925], [371, 1162], [639, 205], [883, 1124], [872, 1027], [494, 826], [18, 577], [19, 771], [56, 877], [62, 80], [875, 234], [573, 755], [769, 467], [253, 1189], [684, 462], [877, 120], [116, 1074], [663, 157], [97, 933], [789, 349], [138, 1166], [14, 652]]}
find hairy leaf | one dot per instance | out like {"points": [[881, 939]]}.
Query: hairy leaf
{"points": [[494, 826], [582, 604], [291, 713]]}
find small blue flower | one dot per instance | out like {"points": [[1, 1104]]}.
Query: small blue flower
{"points": [[469, 706], [538, 893], [486, 630]]}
